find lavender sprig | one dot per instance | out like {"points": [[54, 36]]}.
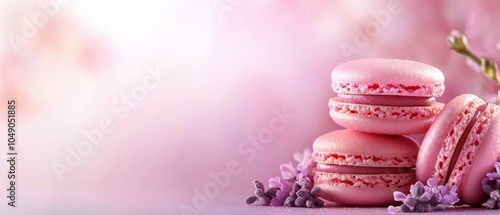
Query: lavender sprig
{"points": [[425, 198], [491, 186], [293, 189]]}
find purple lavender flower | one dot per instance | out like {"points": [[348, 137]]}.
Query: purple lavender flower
{"points": [[424, 198], [280, 198], [494, 175], [280, 183], [284, 187], [306, 162], [304, 180], [288, 171], [261, 195], [294, 188], [491, 186]]}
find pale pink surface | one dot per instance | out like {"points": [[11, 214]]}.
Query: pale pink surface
{"points": [[388, 77], [440, 144], [384, 119]]}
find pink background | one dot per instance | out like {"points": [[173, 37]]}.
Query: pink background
{"points": [[227, 73]]}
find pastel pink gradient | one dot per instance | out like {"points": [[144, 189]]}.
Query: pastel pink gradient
{"points": [[226, 78]]}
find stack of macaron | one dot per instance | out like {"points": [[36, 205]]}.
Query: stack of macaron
{"points": [[378, 102]]}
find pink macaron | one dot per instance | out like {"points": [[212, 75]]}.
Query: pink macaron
{"points": [[358, 168], [461, 146], [386, 96]]}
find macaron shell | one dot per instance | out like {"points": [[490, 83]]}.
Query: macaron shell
{"points": [[359, 189], [485, 157], [439, 143], [355, 148], [389, 77], [472, 144], [384, 119]]}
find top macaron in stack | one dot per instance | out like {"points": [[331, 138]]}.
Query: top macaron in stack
{"points": [[386, 96], [378, 100]]}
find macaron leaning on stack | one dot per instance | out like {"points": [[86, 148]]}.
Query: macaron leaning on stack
{"points": [[461, 146], [378, 100]]}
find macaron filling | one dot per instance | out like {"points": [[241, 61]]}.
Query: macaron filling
{"points": [[430, 90], [461, 142], [385, 100], [345, 169]]}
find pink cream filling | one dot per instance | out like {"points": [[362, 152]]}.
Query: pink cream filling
{"points": [[463, 138], [386, 100], [342, 169]]}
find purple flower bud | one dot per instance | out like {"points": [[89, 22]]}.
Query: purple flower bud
{"points": [[424, 207], [300, 202], [270, 192], [277, 202], [250, 200], [315, 191], [425, 197], [399, 196], [485, 181], [392, 209], [440, 207], [493, 175], [490, 204], [303, 193], [432, 182], [288, 170], [258, 185], [318, 202], [405, 208], [417, 189], [410, 201], [309, 204], [264, 200], [289, 201], [495, 195], [488, 188], [295, 188]]}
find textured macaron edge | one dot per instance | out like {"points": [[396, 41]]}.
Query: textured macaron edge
{"points": [[489, 153], [386, 112], [454, 133], [472, 144], [364, 160], [364, 180], [431, 90]]}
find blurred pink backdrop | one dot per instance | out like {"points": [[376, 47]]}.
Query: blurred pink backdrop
{"points": [[230, 65]]}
